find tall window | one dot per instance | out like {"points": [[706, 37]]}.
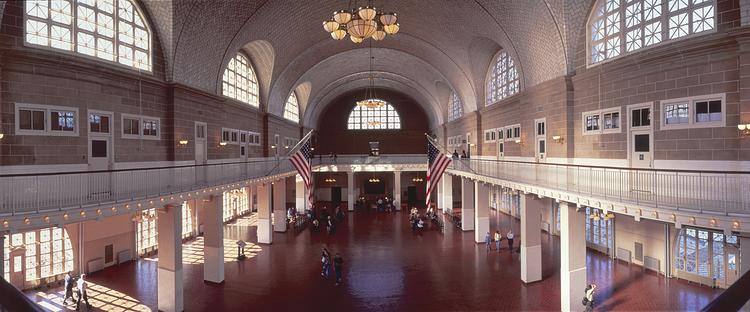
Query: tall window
{"points": [[455, 108], [145, 232], [621, 26], [48, 252], [373, 118], [291, 109], [239, 81], [112, 30], [187, 220], [599, 230], [503, 79], [235, 203]]}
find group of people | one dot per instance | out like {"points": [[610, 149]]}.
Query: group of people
{"points": [[326, 219], [80, 285], [417, 222], [338, 265], [463, 154], [498, 238]]}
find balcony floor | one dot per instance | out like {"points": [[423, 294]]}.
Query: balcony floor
{"points": [[387, 268]]}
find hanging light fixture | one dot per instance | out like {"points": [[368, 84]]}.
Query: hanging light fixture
{"points": [[361, 23], [371, 100]]}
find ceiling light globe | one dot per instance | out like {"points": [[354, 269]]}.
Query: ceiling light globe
{"points": [[367, 13], [330, 25], [356, 39], [342, 17], [361, 28], [378, 35], [391, 29], [388, 18], [338, 34]]}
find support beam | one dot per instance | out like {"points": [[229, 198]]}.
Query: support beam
{"points": [[572, 257], [265, 227], [439, 195], [531, 243], [169, 275], [481, 210], [300, 196], [467, 204], [447, 183], [279, 205], [397, 189], [213, 240], [350, 190]]}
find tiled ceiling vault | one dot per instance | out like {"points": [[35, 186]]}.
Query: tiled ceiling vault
{"points": [[443, 44]]}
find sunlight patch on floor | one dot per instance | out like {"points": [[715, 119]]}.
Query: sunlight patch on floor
{"points": [[192, 252], [100, 297]]}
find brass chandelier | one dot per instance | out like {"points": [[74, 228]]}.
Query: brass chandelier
{"points": [[362, 23]]}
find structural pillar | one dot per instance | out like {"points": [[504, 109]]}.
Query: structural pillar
{"points": [[265, 226], [531, 243], [397, 189], [2, 257], [447, 182], [213, 240], [279, 205], [467, 204], [439, 195], [350, 190], [481, 210], [572, 257], [300, 196], [169, 275]]}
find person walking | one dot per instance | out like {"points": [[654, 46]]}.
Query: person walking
{"points": [[510, 236], [338, 266], [82, 292], [498, 238], [326, 263], [588, 299], [488, 241], [68, 287]]}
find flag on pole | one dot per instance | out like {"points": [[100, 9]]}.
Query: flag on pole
{"points": [[301, 161], [436, 164]]}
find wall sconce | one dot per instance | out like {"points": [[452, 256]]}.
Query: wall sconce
{"points": [[518, 141], [2, 135], [744, 129], [736, 225], [273, 146], [183, 142], [286, 146], [558, 139], [312, 149], [223, 144]]}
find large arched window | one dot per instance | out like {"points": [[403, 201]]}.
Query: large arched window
{"points": [[239, 81], [617, 27], [112, 30], [502, 80], [455, 108], [375, 117], [291, 109], [46, 253]]}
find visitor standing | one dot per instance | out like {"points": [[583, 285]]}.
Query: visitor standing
{"points": [[338, 266], [588, 299], [82, 292], [68, 287], [510, 240], [488, 241], [326, 263], [498, 238]]}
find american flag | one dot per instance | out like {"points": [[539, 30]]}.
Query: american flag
{"points": [[301, 162], [437, 163]]}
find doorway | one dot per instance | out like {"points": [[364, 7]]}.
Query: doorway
{"points": [[541, 139], [100, 153], [336, 196], [640, 138], [500, 144], [201, 152], [412, 195], [17, 267]]}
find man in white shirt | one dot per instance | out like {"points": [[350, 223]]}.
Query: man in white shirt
{"points": [[510, 240], [82, 293]]}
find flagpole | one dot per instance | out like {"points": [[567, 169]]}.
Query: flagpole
{"points": [[292, 150], [434, 141]]}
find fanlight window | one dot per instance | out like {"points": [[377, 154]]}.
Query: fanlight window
{"points": [[112, 30], [239, 81], [291, 109], [622, 26], [455, 108], [374, 117], [503, 79]]}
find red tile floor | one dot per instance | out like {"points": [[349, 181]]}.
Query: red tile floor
{"points": [[387, 268]]}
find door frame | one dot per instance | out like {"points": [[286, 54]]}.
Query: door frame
{"points": [[500, 142], [97, 135], [647, 129], [540, 157], [204, 140]]}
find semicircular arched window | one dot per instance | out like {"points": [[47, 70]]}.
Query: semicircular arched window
{"points": [[455, 108], [374, 117], [240, 82], [291, 109], [111, 30], [617, 27], [502, 80]]}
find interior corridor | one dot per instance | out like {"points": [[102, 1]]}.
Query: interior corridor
{"points": [[387, 268]]}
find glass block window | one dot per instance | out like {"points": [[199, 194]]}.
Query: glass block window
{"points": [[621, 26], [455, 107], [503, 79], [111, 30], [291, 109], [240, 82], [383, 117]]}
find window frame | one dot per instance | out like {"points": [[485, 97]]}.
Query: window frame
{"points": [[600, 113], [111, 116], [692, 122], [233, 138], [47, 109], [141, 135], [360, 117], [512, 129], [289, 114], [507, 81], [253, 84]]}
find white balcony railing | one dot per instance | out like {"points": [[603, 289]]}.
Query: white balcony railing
{"points": [[32, 193], [721, 192], [391, 159]]}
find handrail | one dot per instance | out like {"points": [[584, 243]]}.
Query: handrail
{"points": [[607, 167], [12, 299], [733, 298]]}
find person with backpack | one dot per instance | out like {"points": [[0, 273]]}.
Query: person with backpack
{"points": [[338, 266], [588, 299]]}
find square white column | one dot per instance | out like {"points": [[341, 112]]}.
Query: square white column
{"points": [[467, 204], [447, 193], [350, 190], [572, 257], [279, 206], [300, 196], [531, 243], [481, 210], [213, 240], [169, 274], [265, 227], [397, 189]]}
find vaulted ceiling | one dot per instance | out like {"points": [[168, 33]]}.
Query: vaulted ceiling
{"points": [[443, 45]]}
